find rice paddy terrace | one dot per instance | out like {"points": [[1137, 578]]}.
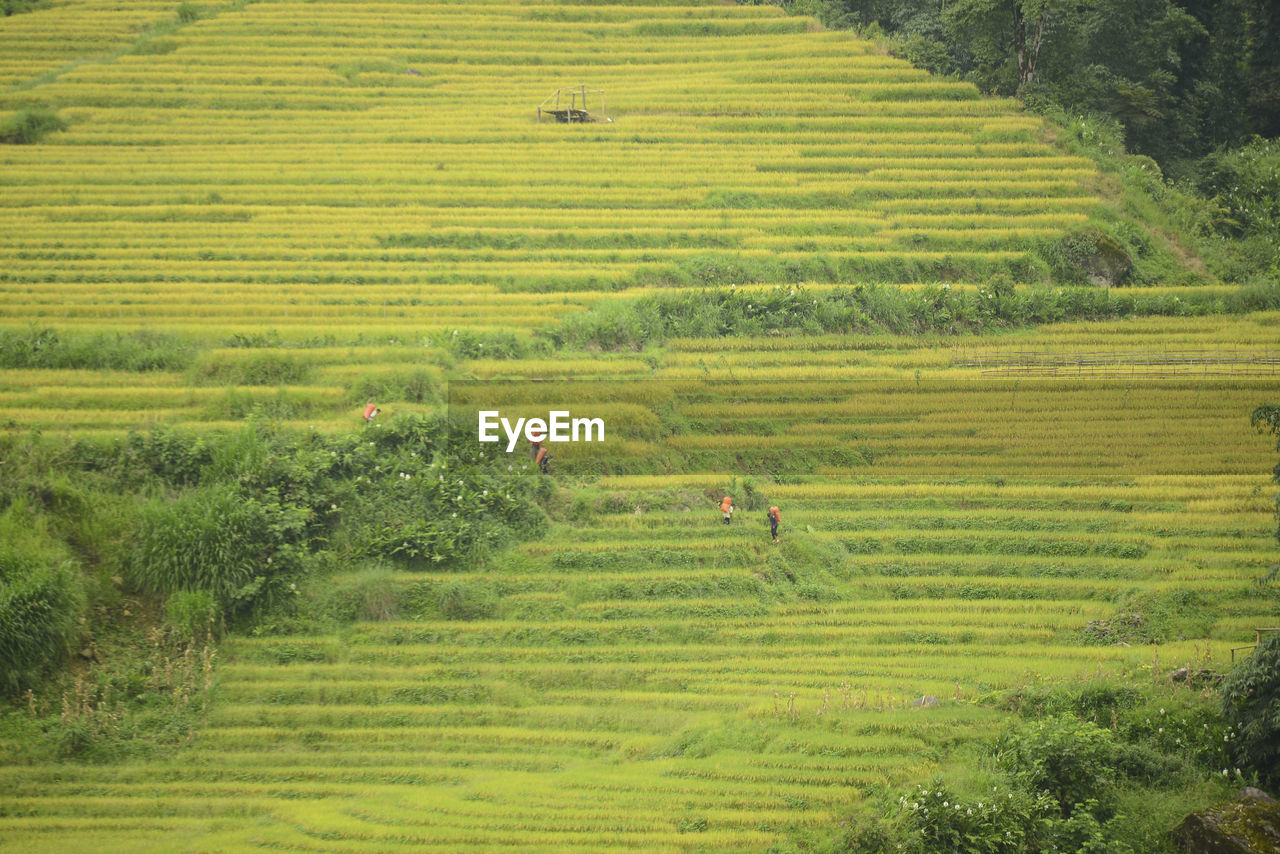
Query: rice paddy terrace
{"points": [[339, 169], [342, 186]]}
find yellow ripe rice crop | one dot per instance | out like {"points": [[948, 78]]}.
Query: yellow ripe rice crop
{"points": [[360, 193]]}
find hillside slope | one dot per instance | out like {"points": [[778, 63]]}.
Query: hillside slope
{"points": [[318, 196]]}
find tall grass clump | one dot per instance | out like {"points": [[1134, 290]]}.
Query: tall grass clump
{"points": [[189, 13], [27, 127], [193, 614], [140, 350], [999, 304], [371, 593], [253, 369], [412, 385], [41, 600], [212, 539], [17, 7]]}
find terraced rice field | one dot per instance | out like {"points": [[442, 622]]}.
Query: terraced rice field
{"points": [[656, 681], [377, 168], [341, 186]]}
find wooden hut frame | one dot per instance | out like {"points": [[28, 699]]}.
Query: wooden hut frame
{"points": [[569, 104]]}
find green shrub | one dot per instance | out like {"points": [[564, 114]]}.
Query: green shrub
{"points": [[462, 601], [213, 539], [174, 455], [1070, 759], [408, 506], [371, 594], [140, 350], [1005, 821], [41, 599], [1246, 183], [27, 127], [414, 385], [1151, 618], [1251, 704], [254, 369], [15, 7], [634, 323]]}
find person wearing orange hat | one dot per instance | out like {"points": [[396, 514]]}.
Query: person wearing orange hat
{"points": [[726, 507], [775, 517]]}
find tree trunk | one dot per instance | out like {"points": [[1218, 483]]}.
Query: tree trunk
{"points": [[1028, 54]]}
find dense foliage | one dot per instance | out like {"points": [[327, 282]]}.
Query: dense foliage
{"points": [[140, 350], [27, 127], [41, 597], [1251, 701], [1194, 84], [1182, 76], [1266, 418], [15, 7], [1057, 779], [228, 526], [873, 308]]}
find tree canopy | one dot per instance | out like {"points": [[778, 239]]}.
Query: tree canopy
{"points": [[1182, 77]]}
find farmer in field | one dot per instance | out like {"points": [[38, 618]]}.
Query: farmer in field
{"points": [[535, 444], [371, 411], [543, 459], [775, 516], [726, 507]]}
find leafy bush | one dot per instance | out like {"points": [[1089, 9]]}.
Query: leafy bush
{"points": [[1246, 182], [1070, 759], [189, 13], [1008, 821], [213, 539], [439, 509], [631, 324], [469, 344], [41, 598], [27, 127], [175, 456], [1251, 703]]}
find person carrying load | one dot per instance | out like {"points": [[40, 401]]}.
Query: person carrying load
{"points": [[543, 459], [371, 411], [726, 507], [775, 517]]}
